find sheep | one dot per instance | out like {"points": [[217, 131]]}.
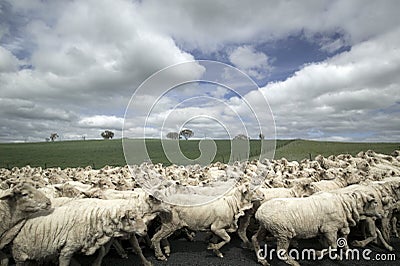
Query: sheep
{"points": [[368, 223], [267, 194], [323, 213], [194, 181], [81, 225], [16, 205], [148, 204], [219, 216], [347, 178]]}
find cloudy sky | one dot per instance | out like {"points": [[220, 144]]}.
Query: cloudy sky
{"points": [[328, 69]]}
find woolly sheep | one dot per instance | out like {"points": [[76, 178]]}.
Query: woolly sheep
{"points": [[81, 225]]}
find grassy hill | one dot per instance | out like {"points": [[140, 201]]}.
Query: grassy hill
{"points": [[98, 153]]}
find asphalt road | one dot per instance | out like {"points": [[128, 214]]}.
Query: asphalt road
{"points": [[196, 253], [185, 253]]}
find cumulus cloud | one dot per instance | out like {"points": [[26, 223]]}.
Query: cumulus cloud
{"points": [[8, 62], [250, 61], [102, 121], [204, 24], [71, 66], [350, 94], [104, 48]]}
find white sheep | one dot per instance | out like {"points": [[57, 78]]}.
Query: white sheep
{"points": [[83, 225], [16, 205]]}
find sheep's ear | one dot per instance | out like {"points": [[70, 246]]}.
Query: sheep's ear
{"points": [[246, 189], [370, 198], [58, 187], [87, 194], [6, 194], [354, 195], [388, 200], [153, 199], [17, 189]]}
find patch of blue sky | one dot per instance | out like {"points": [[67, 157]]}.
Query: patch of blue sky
{"points": [[286, 55], [13, 37], [200, 88], [392, 109]]}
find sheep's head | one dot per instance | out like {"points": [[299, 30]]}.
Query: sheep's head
{"points": [[26, 198], [131, 221]]}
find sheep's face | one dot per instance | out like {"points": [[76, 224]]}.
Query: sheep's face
{"points": [[133, 223], [368, 205], [27, 198], [373, 208]]}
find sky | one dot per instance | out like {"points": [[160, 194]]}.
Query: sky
{"points": [[321, 70]]}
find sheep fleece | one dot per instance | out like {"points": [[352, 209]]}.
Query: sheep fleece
{"points": [[70, 228], [307, 217]]}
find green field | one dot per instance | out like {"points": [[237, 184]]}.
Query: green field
{"points": [[98, 153]]}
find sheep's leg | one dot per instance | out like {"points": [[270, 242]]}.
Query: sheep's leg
{"points": [[189, 236], [363, 228], [3, 259], [255, 239], [4, 262], [65, 257], [217, 230], [244, 222], [166, 246], [103, 250], [331, 240], [394, 227], [344, 234], [382, 239], [119, 248], [370, 225], [135, 244], [385, 228], [164, 232], [282, 247]]}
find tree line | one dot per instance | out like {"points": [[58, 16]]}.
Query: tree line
{"points": [[185, 133]]}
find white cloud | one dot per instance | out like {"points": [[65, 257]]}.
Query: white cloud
{"points": [[102, 121], [203, 25], [83, 60], [105, 47], [8, 62], [341, 95], [247, 59]]}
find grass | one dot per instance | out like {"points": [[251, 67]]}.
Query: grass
{"points": [[300, 149], [63, 154], [98, 153]]}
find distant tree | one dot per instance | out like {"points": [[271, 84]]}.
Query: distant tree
{"points": [[186, 133], [107, 134], [173, 135], [53, 136], [261, 136], [241, 137]]}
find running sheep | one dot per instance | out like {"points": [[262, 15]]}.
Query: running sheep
{"points": [[83, 225]]}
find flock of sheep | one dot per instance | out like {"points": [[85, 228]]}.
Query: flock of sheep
{"points": [[51, 214]]}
